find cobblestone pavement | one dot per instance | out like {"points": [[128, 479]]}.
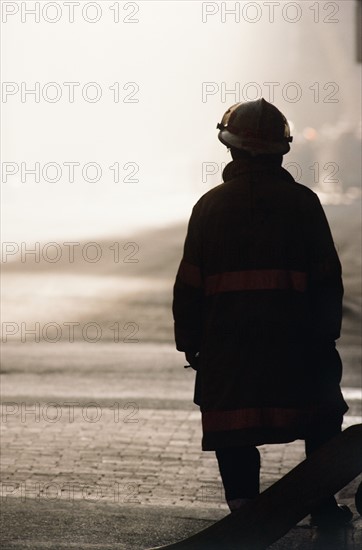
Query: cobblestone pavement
{"points": [[63, 443], [156, 459]]}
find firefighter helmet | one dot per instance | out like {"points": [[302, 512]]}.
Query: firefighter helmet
{"points": [[257, 127]]}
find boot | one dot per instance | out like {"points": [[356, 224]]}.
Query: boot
{"points": [[237, 503], [331, 517]]}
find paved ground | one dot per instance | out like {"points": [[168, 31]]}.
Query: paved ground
{"points": [[102, 450]]}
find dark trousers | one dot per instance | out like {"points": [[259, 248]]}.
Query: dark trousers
{"points": [[240, 466]]}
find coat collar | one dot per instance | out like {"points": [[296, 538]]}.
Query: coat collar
{"points": [[243, 166]]}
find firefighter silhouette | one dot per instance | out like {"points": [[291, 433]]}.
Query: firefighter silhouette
{"points": [[258, 307]]}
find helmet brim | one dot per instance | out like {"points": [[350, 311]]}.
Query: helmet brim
{"points": [[254, 145]]}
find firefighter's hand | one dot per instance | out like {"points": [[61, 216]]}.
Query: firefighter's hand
{"points": [[192, 357]]}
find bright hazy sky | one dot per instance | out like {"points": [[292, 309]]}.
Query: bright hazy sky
{"points": [[180, 60]]}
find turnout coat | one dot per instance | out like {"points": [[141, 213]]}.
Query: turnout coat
{"points": [[258, 294]]}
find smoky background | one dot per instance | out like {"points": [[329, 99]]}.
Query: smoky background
{"points": [[109, 116]]}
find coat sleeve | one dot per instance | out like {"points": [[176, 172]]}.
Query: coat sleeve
{"points": [[325, 277], [188, 290]]}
